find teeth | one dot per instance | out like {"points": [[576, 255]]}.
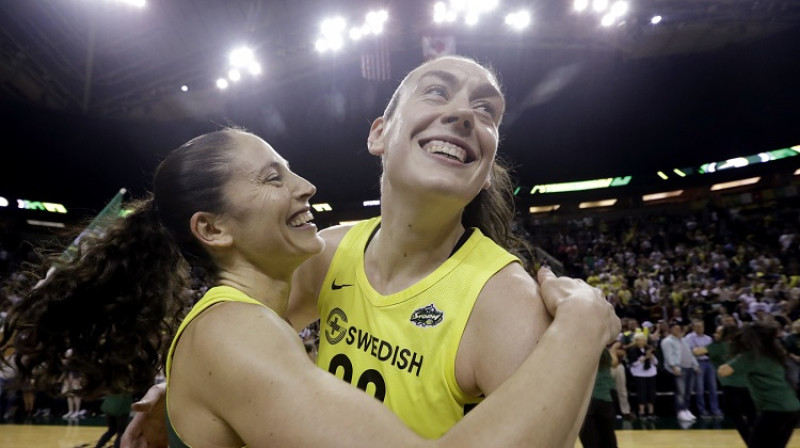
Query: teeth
{"points": [[301, 219], [449, 149]]}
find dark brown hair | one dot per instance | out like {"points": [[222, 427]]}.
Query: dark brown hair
{"points": [[114, 305]]}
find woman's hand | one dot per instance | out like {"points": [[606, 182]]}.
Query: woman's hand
{"points": [[148, 428]]}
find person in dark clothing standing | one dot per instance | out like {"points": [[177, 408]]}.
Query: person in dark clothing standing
{"points": [[737, 403], [759, 356], [117, 408], [598, 425]]}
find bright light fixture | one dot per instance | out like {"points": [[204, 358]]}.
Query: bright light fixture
{"points": [[657, 196], [593, 204], [518, 20], [619, 8], [608, 19], [735, 183], [222, 83], [600, 5], [581, 5], [234, 75], [543, 208], [655, 20], [241, 57], [136, 3], [184, 88]]}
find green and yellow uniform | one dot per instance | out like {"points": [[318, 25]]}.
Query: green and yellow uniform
{"points": [[766, 380], [401, 348], [213, 296]]}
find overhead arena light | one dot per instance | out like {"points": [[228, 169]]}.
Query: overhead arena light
{"points": [[136, 3], [593, 184], [544, 208], [735, 183], [518, 20], [594, 204], [599, 5], [470, 10], [655, 20], [665, 195], [332, 30]]}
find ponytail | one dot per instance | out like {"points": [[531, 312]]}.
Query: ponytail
{"points": [[493, 212], [114, 305]]}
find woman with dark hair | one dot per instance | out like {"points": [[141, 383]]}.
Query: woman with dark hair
{"points": [[736, 401], [758, 355], [427, 282], [237, 372]]}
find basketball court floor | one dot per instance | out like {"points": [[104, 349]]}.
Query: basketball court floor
{"points": [[665, 433]]}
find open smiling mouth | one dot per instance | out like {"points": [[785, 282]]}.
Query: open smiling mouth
{"points": [[447, 149]]}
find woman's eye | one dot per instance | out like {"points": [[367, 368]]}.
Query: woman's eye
{"points": [[488, 108], [437, 90]]}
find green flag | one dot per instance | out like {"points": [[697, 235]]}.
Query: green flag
{"points": [[110, 212]]}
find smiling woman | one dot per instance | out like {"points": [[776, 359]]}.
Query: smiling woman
{"points": [[237, 372]]}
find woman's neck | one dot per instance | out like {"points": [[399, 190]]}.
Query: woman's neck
{"points": [[272, 292]]}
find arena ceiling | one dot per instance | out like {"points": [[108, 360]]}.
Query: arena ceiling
{"points": [[90, 90]]}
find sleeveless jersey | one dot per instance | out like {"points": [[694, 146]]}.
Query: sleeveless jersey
{"points": [[401, 348], [213, 296]]}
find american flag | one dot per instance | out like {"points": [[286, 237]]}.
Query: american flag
{"points": [[375, 63]]}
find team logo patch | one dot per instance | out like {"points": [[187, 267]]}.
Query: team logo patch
{"points": [[336, 321], [427, 316]]}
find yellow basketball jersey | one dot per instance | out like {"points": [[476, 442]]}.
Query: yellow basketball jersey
{"points": [[401, 348], [213, 296]]}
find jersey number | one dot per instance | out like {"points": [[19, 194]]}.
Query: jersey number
{"points": [[370, 376]]}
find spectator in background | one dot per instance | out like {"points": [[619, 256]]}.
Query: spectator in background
{"points": [[598, 425], [681, 363], [759, 356], [737, 404], [643, 364], [706, 378], [117, 409], [618, 372], [792, 344], [71, 383]]}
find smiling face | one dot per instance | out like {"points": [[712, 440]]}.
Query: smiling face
{"points": [[268, 215], [442, 135]]}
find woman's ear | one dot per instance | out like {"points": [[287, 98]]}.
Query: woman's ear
{"points": [[375, 140], [209, 230]]}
